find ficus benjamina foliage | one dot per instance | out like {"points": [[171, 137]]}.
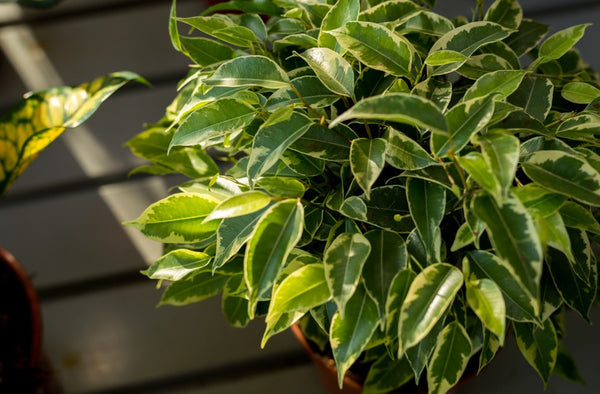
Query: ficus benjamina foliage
{"points": [[402, 185]]}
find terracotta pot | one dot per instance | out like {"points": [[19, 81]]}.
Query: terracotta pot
{"points": [[20, 328], [327, 371], [326, 368]]}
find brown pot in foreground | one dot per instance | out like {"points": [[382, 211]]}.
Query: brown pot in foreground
{"points": [[20, 328]]}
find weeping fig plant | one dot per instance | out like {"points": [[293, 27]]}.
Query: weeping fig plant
{"points": [[401, 185]]}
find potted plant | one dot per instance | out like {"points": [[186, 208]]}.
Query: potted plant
{"points": [[401, 186], [25, 130]]}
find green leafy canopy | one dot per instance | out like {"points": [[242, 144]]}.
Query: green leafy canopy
{"points": [[404, 186]]}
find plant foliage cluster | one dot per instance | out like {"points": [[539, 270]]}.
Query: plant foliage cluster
{"points": [[402, 185]]}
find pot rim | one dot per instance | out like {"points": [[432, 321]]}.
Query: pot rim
{"points": [[34, 305]]}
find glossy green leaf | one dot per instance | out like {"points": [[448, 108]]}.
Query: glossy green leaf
{"points": [[178, 218], [153, 145], [240, 204], [444, 56], [331, 69], [232, 234], [449, 359], [195, 289], [426, 202], [575, 292], [173, 29], [464, 120], [213, 120], [499, 84], [388, 256], [222, 27], [249, 71], [425, 22], [344, 260], [514, 237], [580, 92], [404, 153], [575, 215], [323, 143], [278, 115], [539, 201], [507, 13], [480, 171], [367, 159], [342, 12], [351, 333], [418, 356], [534, 95], [276, 233], [312, 92], [521, 305], [398, 107], [553, 233], [539, 346], [527, 37], [438, 91], [389, 11], [377, 47], [234, 304], [301, 290], [559, 43], [280, 323], [270, 142], [204, 51], [39, 118], [387, 374], [464, 237], [486, 300], [177, 264], [478, 65], [386, 208], [466, 39], [565, 174], [429, 295], [501, 152], [490, 346], [397, 292], [301, 165], [281, 186]]}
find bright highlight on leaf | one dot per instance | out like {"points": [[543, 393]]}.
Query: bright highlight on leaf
{"points": [[42, 116]]}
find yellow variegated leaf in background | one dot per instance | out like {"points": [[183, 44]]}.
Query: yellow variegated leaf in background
{"points": [[36, 121]]}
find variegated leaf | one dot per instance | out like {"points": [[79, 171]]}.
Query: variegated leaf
{"points": [[464, 120], [388, 256], [178, 218], [514, 236], [429, 295], [367, 159], [426, 201], [344, 260], [539, 346], [565, 174], [351, 334], [466, 39], [397, 107], [449, 359], [276, 233], [39, 118], [521, 305], [177, 264], [377, 47]]}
